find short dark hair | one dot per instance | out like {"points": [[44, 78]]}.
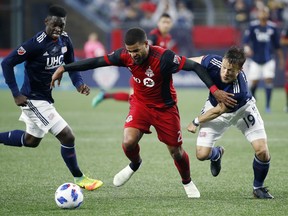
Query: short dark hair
{"points": [[56, 10], [134, 35], [165, 15], [235, 55]]}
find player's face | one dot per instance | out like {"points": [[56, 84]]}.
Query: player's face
{"points": [[165, 25], [229, 71], [55, 26], [138, 52]]}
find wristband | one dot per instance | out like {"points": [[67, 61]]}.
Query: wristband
{"points": [[196, 122], [213, 88]]}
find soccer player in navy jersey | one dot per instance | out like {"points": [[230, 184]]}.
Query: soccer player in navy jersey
{"points": [[153, 102], [44, 52], [216, 118], [261, 40]]}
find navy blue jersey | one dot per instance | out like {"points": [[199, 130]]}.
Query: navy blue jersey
{"points": [[263, 40], [42, 56], [239, 87]]}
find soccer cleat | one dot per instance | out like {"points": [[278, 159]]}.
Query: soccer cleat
{"points": [[191, 190], [123, 176], [262, 193], [267, 110], [215, 166], [88, 183], [98, 98]]}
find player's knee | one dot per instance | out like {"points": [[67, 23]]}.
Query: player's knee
{"points": [[32, 142], [263, 154], [202, 153]]}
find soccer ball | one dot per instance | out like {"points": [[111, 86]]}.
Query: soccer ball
{"points": [[69, 196]]}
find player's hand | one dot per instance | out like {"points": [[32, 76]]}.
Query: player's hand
{"points": [[192, 128], [224, 97], [57, 76], [21, 100], [84, 89]]}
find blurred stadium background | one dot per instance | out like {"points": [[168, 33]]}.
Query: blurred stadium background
{"points": [[200, 26]]}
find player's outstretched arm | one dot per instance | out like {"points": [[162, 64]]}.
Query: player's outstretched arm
{"points": [[207, 116]]}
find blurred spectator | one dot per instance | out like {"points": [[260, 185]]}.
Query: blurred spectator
{"points": [[151, 18], [93, 47], [241, 14], [184, 16]]}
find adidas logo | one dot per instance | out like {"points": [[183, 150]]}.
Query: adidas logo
{"points": [[46, 54]]}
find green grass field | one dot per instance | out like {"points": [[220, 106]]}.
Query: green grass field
{"points": [[29, 177]]}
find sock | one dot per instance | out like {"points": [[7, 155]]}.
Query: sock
{"points": [[183, 167], [134, 156], [260, 172], [13, 138], [253, 90], [215, 154], [69, 156], [268, 90], [119, 96]]}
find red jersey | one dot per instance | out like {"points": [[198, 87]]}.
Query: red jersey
{"points": [[152, 80], [157, 39]]}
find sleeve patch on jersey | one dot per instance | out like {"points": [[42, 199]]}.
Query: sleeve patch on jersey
{"points": [[176, 59], [21, 51], [64, 49]]}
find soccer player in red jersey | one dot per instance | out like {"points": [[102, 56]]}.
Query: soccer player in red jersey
{"points": [[160, 36], [154, 101]]}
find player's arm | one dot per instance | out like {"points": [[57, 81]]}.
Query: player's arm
{"points": [[220, 95], [207, 116], [16, 57], [81, 65]]}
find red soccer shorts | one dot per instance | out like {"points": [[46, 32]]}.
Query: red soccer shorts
{"points": [[165, 121]]}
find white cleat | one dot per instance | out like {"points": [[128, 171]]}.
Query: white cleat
{"points": [[191, 190], [123, 176]]}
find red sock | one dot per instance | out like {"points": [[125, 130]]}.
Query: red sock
{"points": [[133, 154], [119, 96], [183, 167]]}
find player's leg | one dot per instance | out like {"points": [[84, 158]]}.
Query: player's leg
{"points": [[131, 149], [254, 76], [209, 133], [251, 125], [102, 95], [269, 74], [181, 161]]}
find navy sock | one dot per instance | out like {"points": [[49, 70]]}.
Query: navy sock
{"points": [[69, 156], [268, 90], [13, 138], [215, 154], [253, 90], [260, 172], [135, 166]]}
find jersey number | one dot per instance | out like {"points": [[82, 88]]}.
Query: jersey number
{"points": [[249, 120]]}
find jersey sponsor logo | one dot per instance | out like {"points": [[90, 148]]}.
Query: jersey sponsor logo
{"points": [[176, 59], [54, 62], [129, 118], [149, 72], [41, 37], [21, 51], [263, 36], [148, 82]]}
